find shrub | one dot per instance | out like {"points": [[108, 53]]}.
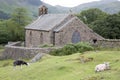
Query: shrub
{"points": [[82, 47], [69, 49], [72, 48], [56, 52]]}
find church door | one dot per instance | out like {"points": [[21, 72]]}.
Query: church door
{"points": [[76, 37]]}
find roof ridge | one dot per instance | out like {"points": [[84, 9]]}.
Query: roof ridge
{"points": [[61, 26], [66, 19]]}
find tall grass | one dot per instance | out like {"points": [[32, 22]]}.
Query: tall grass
{"points": [[64, 68]]}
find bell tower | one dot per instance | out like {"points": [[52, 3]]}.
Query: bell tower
{"points": [[43, 10]]}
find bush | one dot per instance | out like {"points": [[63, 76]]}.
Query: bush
{"points": [[69, 49], [82, 47], [56, 52], [72, 48], [4, 36]]}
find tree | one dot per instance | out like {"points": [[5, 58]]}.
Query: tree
{"points": [[5, 35], [108, 27], [102, 23], [4, 15], [20, 16], [13, 28], [16, 31], [91, 15]]}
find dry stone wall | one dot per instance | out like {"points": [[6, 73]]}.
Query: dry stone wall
{"points": [[109, 43], [12, 51]]}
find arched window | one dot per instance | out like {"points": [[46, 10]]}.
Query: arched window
{"points": [[76, 37], [41, 37], [30, 37]]}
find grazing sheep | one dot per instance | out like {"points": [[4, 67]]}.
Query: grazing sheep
{"points": [[102, 67], [20, 63]]}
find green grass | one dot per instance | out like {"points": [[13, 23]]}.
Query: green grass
{"points": [[64, 68]]}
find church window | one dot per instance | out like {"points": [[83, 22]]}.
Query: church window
{"points": [[41, 37], [30, 37], [76, 37]]}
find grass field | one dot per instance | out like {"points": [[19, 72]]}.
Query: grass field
{"points": [[64, 68]]}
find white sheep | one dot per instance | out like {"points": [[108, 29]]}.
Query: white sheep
{"points": [[102, 67]]}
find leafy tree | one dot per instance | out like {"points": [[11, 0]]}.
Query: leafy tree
{"points": [[108, 27], [4, 15], [13, 28], [5, 35], [91, 15], [20, 16], [16, 31], [102, 23]]}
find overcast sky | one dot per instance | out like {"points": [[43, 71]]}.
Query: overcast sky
{"points": [[67, 3]]}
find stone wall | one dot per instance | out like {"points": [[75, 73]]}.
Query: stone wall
{"points": [[13, 51], [35, 38], [109, 43]]}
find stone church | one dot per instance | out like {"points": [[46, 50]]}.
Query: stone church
{"points": [[57, 29]]}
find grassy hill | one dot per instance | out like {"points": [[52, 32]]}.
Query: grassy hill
{"points": [[64, 68], [7, 6]]}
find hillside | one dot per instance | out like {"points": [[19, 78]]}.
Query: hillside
{"points": [[57, 9], [111, 6], [7, 7], [64, 68]]}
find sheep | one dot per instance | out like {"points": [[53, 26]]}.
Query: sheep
{"points": [[102, 67], [20, 63]]}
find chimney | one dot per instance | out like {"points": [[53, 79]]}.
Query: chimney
{"points": [[43, 10]]}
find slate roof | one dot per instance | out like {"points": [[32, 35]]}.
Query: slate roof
{"points": [[49, 21], [62, 26]]}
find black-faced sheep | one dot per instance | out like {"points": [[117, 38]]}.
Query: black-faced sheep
{"points": [[20, 63]]}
